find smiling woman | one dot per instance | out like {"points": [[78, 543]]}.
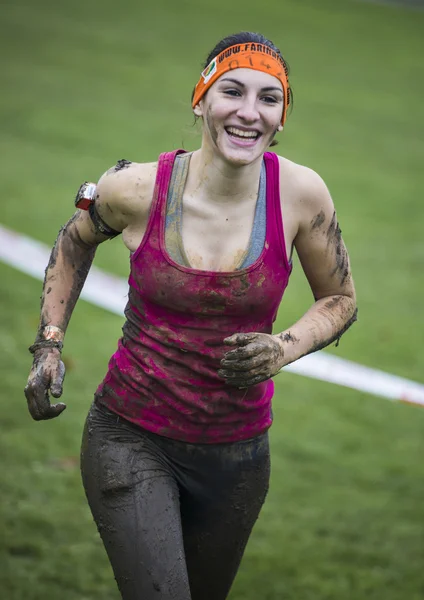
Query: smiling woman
{"points": [[175, 455], [247, 51], [250, 96]]}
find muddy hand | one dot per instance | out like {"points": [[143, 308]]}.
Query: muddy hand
{"points": [[46, 375], [255, 358]]}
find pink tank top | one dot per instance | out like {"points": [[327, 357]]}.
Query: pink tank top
{"points": [[163, 376]]}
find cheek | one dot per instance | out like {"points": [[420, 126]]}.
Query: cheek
{"points": [[211, 126], [272, 118], [272, 126]]}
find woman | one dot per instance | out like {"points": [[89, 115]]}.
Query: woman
{"points": [[175, 457]]}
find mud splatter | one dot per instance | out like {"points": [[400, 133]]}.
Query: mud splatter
{"points": [[256, 359], [288, 337], [349, 323], [332, 228], [318, 220], [76, 256], [53, 256], [244, 286], [335, 337], [212, 300], [122, 164], [46, 366], [334, 237], [45, 318], [236, 488], [211, 127], [244, 283], [79, 277], [330, 304]]}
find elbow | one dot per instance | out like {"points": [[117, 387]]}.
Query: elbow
{"points": [[349, 322], [354, 316], [353, 308]]}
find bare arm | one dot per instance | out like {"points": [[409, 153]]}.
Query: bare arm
{"points": [[68, 267], [325, 261], [70, 261]]}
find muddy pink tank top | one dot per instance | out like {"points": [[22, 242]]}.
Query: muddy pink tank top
{"points": [[163, 376]]}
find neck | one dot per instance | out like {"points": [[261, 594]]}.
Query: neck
{"points": [[220, 181]]}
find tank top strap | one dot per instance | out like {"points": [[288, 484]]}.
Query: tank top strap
{"points": [[274, 216], [258, 235], [163, 178], [157, 210], [174, 210]]}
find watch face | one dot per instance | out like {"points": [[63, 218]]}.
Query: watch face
{"points": [[85, 195]]}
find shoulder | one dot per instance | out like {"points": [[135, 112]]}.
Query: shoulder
{"points": [[305, 191], [305, 183], [125, 191], [127, 184]]}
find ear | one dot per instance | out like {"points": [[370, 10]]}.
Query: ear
{"points": [[198, 110]]}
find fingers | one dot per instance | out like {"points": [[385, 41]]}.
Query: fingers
{"points": [[253, 361], [39, 404], [56, 387], [242, 352], [244, 365], [242, 378], [38, 401], [54, 410], [240, 339], [37, 391], [248, 345]]}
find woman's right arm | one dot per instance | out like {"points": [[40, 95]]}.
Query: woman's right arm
{"points": [[66, 272]]}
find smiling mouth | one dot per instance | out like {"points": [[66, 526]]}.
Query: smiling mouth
{"points": [[241, 134]]}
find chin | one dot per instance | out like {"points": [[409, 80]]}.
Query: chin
{"points": [[241, 156]]}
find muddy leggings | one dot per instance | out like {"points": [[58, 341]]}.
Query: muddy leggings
{"points": [[174, 517]]}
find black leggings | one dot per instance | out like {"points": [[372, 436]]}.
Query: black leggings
{"points": [[174, 517]]}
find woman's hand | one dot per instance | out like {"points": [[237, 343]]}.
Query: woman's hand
{"points": [[257, 357], [47, 374]]}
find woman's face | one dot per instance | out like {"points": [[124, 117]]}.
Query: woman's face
{"points": [[241, 114]]}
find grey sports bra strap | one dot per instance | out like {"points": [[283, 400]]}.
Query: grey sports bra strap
{"points": [[257, 238], [174, 210]]}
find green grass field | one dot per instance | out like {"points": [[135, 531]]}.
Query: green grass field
{"points": [[84, 84]]}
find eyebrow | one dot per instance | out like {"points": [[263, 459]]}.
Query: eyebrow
{"points": [[264, 89]]}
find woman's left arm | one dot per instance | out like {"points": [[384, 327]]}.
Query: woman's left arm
{"points": [[325, 261]]}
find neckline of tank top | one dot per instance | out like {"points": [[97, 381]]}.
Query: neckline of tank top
{"points": [[259, 202], [207, 272]]}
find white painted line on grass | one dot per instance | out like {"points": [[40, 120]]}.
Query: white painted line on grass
{"points": [[110, 292], [358, 377], [31, 257]]}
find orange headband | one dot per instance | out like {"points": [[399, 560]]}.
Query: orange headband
{"points": [[245, 56]]}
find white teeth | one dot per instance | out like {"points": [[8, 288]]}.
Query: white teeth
{"points": [[241, 133]]}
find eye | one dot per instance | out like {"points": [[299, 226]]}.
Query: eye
{"points": [[270, 99], [232, 92]]}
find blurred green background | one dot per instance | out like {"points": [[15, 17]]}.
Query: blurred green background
{"points": [[86, 83]]}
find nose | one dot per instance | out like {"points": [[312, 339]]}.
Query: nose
{"points": [[247, 110]]}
